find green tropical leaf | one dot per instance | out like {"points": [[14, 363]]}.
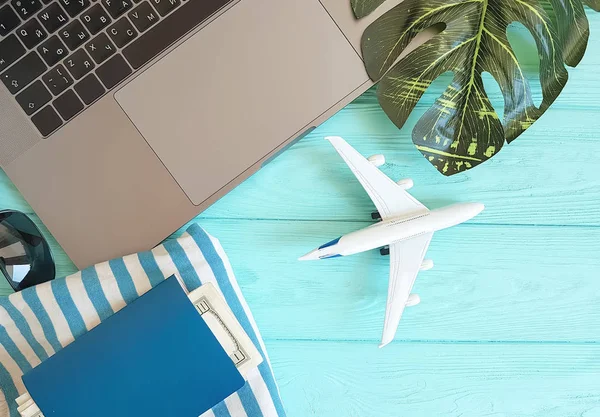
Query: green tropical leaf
{"points": [[573, 28], [594, 4], [364, 8], [462, 129]]}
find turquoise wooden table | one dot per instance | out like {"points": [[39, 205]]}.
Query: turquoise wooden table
{"points": [[510, 319]]}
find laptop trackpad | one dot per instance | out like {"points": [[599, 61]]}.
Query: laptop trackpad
{"points": [[240, 87]]}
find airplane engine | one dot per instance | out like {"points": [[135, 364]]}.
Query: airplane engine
{"points": [[413, 300], [377, 160], [406, 183], [426, 265]]}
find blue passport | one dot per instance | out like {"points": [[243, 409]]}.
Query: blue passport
{"points": [[155, 357]]}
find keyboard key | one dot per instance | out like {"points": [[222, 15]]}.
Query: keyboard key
{"points": [[26, 8], [10, 50], [57, 80], [95, 19], [89, 89], [53, 17], [74, 7], [46, 120], [74, 34], [143, 16], [34, 97], [8, 20], [170, 29], [23, 72], [122, 32], [165, 6], [113, 72], [100, 48], [31, 33], [117, 7], [79, 64], [52, 50], [68, 105]]}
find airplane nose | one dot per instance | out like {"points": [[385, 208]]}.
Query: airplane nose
{"points": [[310, 256], [473, 209], [478, 207]]}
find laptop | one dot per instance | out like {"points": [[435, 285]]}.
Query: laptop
{"points": [[120, 120]]}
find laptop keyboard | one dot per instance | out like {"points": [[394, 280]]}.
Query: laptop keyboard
{"points": [[57, 57]]}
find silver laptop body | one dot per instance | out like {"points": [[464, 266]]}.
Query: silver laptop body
{"points": [[178, 103]]}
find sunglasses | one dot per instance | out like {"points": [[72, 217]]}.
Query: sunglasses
{"points": [[25, 258]]}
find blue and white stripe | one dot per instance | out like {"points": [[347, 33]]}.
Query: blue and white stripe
{"points": [[39, 321]]}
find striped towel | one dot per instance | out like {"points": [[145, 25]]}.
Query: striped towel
{"points": [[39, 321]]}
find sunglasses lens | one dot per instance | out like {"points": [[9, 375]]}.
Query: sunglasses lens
{"points": [[25, 257]]}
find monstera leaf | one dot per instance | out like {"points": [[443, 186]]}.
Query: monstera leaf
{"points": [[462, 129]]}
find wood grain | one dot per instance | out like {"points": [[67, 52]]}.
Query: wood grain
{"points": [[490, 283], [538, 179], [445, 380]]}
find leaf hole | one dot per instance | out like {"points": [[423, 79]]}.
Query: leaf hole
{"points": [[422, 37], [523, 44], [494, 93]]}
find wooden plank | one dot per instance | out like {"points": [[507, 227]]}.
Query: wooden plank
{"points": [[324, 379], [546, 177], [490, 283], [520, 186]]}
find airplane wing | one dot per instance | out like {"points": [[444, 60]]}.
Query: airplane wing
{"points": [[405, 262], [390, 199]]}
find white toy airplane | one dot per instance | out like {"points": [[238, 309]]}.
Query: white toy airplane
{"points": [[406, 229]]}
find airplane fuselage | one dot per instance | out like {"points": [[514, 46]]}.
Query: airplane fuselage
{"points": [[394, 230]]}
